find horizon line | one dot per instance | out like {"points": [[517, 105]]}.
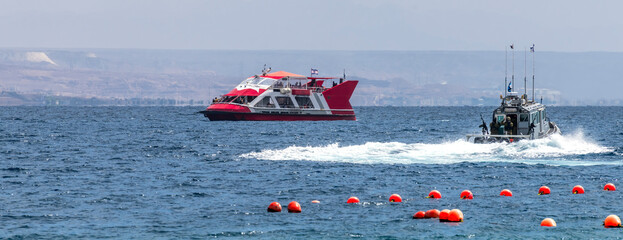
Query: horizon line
{"points": [[275, 50]]}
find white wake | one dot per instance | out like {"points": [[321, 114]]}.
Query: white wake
{"points": [[556, 150]]}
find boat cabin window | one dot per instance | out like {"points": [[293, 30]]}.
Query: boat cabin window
{"points": [[285, 102], [239, 100], [243, 99], [524, 117], [257, 81], [304, 102], [543, 114], [279, 84], [535, 118], [266, 102], [500, 118], [299, 85], [226, 99], [267, 82]]}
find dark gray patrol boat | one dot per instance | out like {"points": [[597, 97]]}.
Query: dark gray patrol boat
{"points": [[517, 118]]}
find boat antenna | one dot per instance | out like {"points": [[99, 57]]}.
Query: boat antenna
{"points": [[513, 76], [505, 71], [532, 51], [525, 73], [265, 71], [344, 76]]}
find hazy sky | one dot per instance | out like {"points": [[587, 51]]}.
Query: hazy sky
{"points": [[312, 25]]}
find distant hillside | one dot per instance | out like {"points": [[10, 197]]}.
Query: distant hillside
{"points": [[386, 77]]}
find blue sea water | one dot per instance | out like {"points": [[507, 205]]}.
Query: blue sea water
{"points": [[167, 172]]}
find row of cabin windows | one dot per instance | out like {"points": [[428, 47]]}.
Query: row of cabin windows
{"points": [[237, 99], [285, 102], [524, 117]]}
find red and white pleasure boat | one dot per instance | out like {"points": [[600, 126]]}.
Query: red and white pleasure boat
{"points": [[284, 96]]}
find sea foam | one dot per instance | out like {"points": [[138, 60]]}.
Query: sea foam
{"points": [[555, 150]]}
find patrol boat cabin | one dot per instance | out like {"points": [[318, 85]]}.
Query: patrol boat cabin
{"points": [[515, 119]]}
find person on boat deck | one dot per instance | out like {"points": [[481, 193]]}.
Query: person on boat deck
{"points": [[508, 126], [494, 126], [531, 128]]}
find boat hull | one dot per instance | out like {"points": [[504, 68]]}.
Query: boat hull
{"points": [[500, 138], [250, 116]]}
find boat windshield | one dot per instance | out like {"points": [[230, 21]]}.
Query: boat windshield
{"points": [[258, 81]]}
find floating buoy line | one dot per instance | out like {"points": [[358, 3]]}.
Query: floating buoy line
{"points": [[456, 215]]}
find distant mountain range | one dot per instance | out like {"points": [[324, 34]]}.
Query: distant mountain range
{"points": [[397, 78]]}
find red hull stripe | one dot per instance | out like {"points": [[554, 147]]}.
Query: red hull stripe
{"points": [[233, 116], [343, 112], [227, 107]]}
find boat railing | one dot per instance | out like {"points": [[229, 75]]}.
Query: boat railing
{"points": [[279, 85], [283, 84]]}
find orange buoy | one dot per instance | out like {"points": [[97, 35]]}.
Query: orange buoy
{"points": [[443, 215], [419, 215], [548, 222], [612, 221], [434, 194], [433, 213], [455, 215], [577, 189], [294, 207], [506, 193], [544, 190], [610, 187], [467, 194], [352, 200], [274, 207], [315, 201], [395, 198]]}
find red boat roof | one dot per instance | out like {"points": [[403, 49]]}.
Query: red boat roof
{"points": [[282, 74]]}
